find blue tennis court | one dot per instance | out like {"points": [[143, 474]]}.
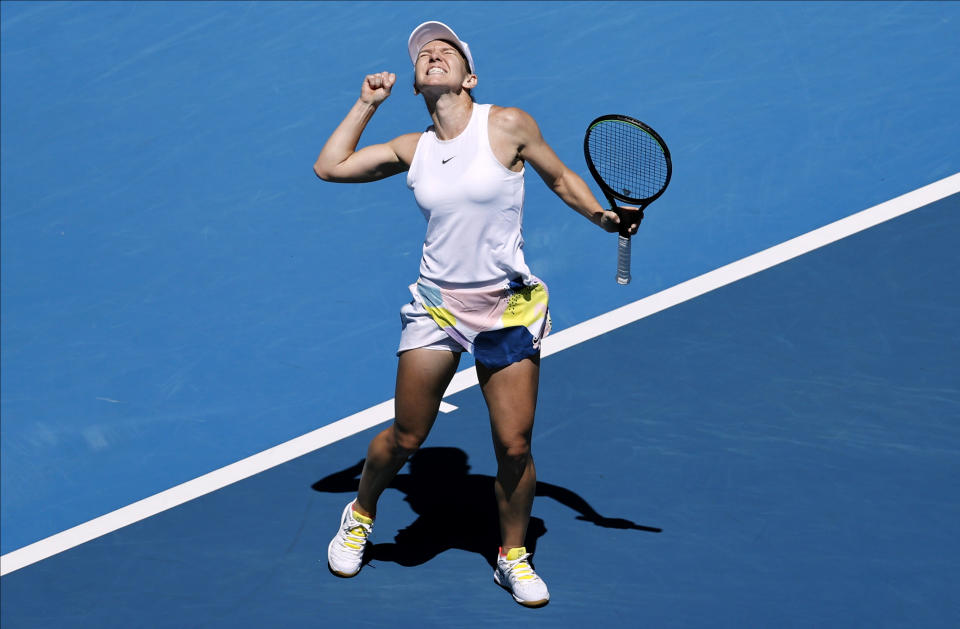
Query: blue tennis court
{"points": [[198, 336]]}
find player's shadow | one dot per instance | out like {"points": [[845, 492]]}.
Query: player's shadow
{"points": [[456, 509]]}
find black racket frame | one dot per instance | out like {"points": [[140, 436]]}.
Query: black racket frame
{"points": [[609, 192]]}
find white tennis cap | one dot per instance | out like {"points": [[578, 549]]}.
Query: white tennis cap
{"points": [[429, 31]]}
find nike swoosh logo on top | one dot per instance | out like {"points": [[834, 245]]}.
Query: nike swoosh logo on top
{"points": [[444, 161]]}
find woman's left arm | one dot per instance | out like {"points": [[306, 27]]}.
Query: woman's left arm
{"points": [[522, 131]]}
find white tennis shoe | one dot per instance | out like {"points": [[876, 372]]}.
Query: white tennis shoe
{"points": [[345, 552], [515, 574]]}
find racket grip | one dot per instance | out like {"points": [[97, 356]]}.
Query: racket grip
{"points": [[623, 260]]}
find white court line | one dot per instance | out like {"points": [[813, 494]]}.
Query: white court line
{"points": [[467, 378]]}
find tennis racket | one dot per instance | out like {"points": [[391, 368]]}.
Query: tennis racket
{"points": [[631, 164]]}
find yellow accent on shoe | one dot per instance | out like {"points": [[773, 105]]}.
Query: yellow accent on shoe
{"points": [[345, 551], [516, 553], [359, 517], [515, 574]]}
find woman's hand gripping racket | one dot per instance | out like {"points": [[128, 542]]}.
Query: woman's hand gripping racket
{"points": [[631, 163]]}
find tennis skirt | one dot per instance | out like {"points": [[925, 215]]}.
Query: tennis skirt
{"points": [[499, 324]]}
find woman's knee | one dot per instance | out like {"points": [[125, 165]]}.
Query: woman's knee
{"points": [[406, 442], [516, 450]]}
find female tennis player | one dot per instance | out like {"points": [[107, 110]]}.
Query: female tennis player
{"points": [[474, 292]]}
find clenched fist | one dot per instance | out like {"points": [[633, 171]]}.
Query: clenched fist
{"points": [[376, 87]]}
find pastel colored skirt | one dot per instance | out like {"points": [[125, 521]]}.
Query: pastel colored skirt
{"points": [[499, 324]]}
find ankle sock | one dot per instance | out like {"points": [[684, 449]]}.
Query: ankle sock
{"points": [[359, 517], [513, 553]]}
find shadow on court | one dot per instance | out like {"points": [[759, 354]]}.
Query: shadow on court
{"points": [[440, 489]]}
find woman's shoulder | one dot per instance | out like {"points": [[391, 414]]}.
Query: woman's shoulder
{"points": [[409, 138], [513, 122], [405, 146], [510, 118]]}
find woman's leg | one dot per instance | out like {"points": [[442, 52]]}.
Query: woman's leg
{"points": [[511, 395], [422, 379]]}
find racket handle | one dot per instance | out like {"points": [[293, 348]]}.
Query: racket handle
{"points": [[623, 259]]}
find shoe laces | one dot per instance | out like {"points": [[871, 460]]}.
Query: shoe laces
{"points": [[356, 536], [520, 569]]}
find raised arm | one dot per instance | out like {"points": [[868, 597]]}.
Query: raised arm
{"points": [[523, 131], [340, 161]]}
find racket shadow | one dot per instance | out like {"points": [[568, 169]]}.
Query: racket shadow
{"points": [[441, 490]]}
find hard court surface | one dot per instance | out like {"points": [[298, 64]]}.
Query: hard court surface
{"points": [[179, 293]]}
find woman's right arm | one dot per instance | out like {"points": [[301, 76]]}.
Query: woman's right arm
{"points": [[340, 161]]}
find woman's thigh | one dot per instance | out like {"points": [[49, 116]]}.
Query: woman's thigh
{"points": [[422, 379], [511, 395]]}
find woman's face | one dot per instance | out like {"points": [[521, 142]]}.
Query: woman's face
{"points": [[440, 65]]}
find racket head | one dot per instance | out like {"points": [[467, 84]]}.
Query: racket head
{"points": [[628, 159]]}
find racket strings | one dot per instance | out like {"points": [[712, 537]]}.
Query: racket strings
{"points": [[628, 159]]}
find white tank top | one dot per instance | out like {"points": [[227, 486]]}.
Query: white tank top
{"points": [[473, 205]]}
